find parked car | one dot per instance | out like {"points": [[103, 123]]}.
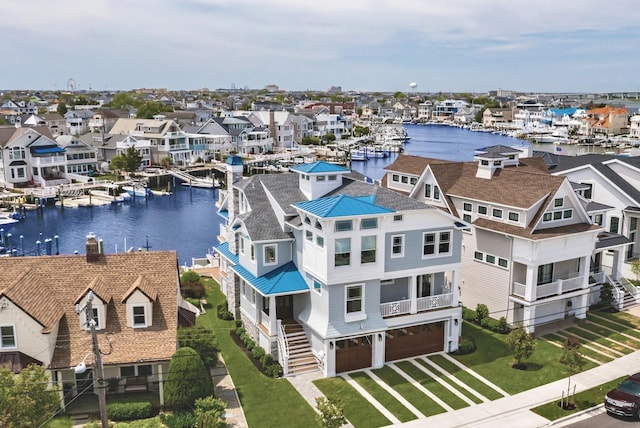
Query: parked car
{"points": [[624, 400]]}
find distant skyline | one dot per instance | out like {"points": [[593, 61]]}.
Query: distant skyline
{"points": [[359, 45]]}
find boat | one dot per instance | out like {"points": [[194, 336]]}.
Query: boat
{"points": [[106, 195], [204, 182], [7, 219], [137, 191], [358, 155]]}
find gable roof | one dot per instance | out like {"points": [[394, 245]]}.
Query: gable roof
{"points": [[47, 289], [319, 167]]}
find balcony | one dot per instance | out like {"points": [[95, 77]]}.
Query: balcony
{"points": [[428, 303], [48, 160], [555, 288]]}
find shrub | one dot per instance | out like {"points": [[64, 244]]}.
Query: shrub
{"points": [[129, 411], [469, 315], [330, 412], [266, 360], [224, 313], [258, 353], [203, 341], [482, 312], [187, 380], [210, 412], [465, 346], [503, 328], [179, 420], [274, 370]]}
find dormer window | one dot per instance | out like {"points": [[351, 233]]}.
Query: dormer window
{"points": [[484, 162], [139, 316], [320, 178], [343, 225], [139, 300], [318, 225], [307, 220], [497, 163]]}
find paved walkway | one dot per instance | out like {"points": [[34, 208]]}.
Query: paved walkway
{"points": [[226, 391]]}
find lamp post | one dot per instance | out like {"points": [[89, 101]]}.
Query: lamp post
{"points": [[102, 392]]}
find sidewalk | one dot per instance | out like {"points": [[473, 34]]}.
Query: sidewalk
{"points": [[226, 391]]}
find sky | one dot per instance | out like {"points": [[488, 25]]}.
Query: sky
{"points": [[298, 45]]}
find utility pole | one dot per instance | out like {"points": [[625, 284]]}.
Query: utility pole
{"points": [[102, 392]]}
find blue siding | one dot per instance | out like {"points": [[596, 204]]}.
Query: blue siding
{"points": [[412, 258]]}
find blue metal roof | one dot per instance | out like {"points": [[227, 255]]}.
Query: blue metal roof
{"points": [[342, 206], [319, 167], [224, 251], [224, 214], [46, 149], [562, 111], [234, 160], [284, 280]]}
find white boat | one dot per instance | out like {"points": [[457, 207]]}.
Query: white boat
{"points": [[7, 219], [204, 182], [137, 191], [358, 155]]}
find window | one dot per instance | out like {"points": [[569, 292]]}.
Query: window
{"points": [[567, 213], [270, 255], [369, 223], [318, 225], [467, 206], [308, 235], [354, 299], [427, 191], [307, 220], [397, 246], [253, 253], [436, 192], [397, 217], [404, 179], [436, 243], [395, 177], [490, 259], [95, 319], [7, 337], [242, 245], [317, 287], [545, 273], [615, 223], [633, 223], [413, 180], [368, 249], [557, 215], [497, 163], [484, 162], [320, 178], [558, 202], [496, 212], [141, 370], [513, 216], [343, 252], [343, 225], [139, 316], [332, 177], [482, 210], [503, 262], [547, 217], [478, 255], [320, 241], [587, 193], [466, 217], [253, 296], [598, 219]]}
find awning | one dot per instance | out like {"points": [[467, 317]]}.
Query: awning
{"points": [[16, 361], [48, 149]]}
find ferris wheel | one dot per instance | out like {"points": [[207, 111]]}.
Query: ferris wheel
{"points": [[71, 84]]}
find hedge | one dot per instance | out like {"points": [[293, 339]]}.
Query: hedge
{"points": [[129, 411]]}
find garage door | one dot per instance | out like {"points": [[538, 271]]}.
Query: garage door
{"points": [[353, 354], [415, 340]]}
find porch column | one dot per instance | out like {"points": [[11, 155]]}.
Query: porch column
{"points": [[413, 294], [60, 387], [583, 306], [584, 271], [528, 318], [455, 291], [616, 264], [160, 385], [273, 316], [530, 286]]}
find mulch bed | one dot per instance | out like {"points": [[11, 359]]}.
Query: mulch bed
{"points": [[248, 353]]}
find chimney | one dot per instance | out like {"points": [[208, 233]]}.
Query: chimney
{"points": [[92, 248], [235, 168]]}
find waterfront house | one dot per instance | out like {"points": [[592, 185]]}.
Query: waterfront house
{"points": [[613, 181], [81, 157], [327, 271], [279, 124], [246, 138], [135, 307], [78, 121], [528, 253], [56, 123], [606, 121]]}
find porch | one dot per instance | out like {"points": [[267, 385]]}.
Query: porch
{"points": [[416, 294]]}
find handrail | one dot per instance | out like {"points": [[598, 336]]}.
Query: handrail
{"points": [[283, 348], [628, 285]]}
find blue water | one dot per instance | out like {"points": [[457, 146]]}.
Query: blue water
{"points": [[439, 142], [187, 220]]}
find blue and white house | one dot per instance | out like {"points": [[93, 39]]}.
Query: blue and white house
{"points": [[329, 272]]}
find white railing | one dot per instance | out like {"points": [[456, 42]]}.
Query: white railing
{"points": [[632, 289], [49, 160], [428, 303], [399, 307], [571, 283], [556, 287], [265, 320], [434, 302], [283, 349], [519, 289]]}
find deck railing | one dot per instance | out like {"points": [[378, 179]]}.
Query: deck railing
{"points": [[428, 303], [557, 287]]}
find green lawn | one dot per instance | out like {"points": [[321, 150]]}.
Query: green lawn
{"points": [[595, 328], [473, 382], [358, 411], [631, 331], [586, 352], [413, 395], [263, 399], [587, 337], [492, 360], [583, 400], [448, 381], [383, 397], [432, 385]]}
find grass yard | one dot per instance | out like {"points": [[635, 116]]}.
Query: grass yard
{"points": [[443, 377], [475, 383], [358, 411], [584, 351], [383, 397], [588, 337], [259, 394], [493, 359], [630, 331], [583, 400], [432, 385]]}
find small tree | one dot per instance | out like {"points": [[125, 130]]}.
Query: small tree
{"points": [[25, 399], [331, 412], [203, 341], [482, 312], [210, 412], [165, 161], [187, 380], [522, 344], [571, 355]]}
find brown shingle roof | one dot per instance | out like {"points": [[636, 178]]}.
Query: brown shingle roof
{"points": [[412, 164], [526, 232], [47, 288]]}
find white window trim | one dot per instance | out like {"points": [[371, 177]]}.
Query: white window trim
{"points": [[275, 254], [133, 318], [15, 337], [401, 254], [437, 252], [361, 314], [85, 321], [316, 289]]}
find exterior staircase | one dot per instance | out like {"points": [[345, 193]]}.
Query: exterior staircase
{"points": [[301, 358], [628, 299]]}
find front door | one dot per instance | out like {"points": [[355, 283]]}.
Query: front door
{"points": [[284, 307]]}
